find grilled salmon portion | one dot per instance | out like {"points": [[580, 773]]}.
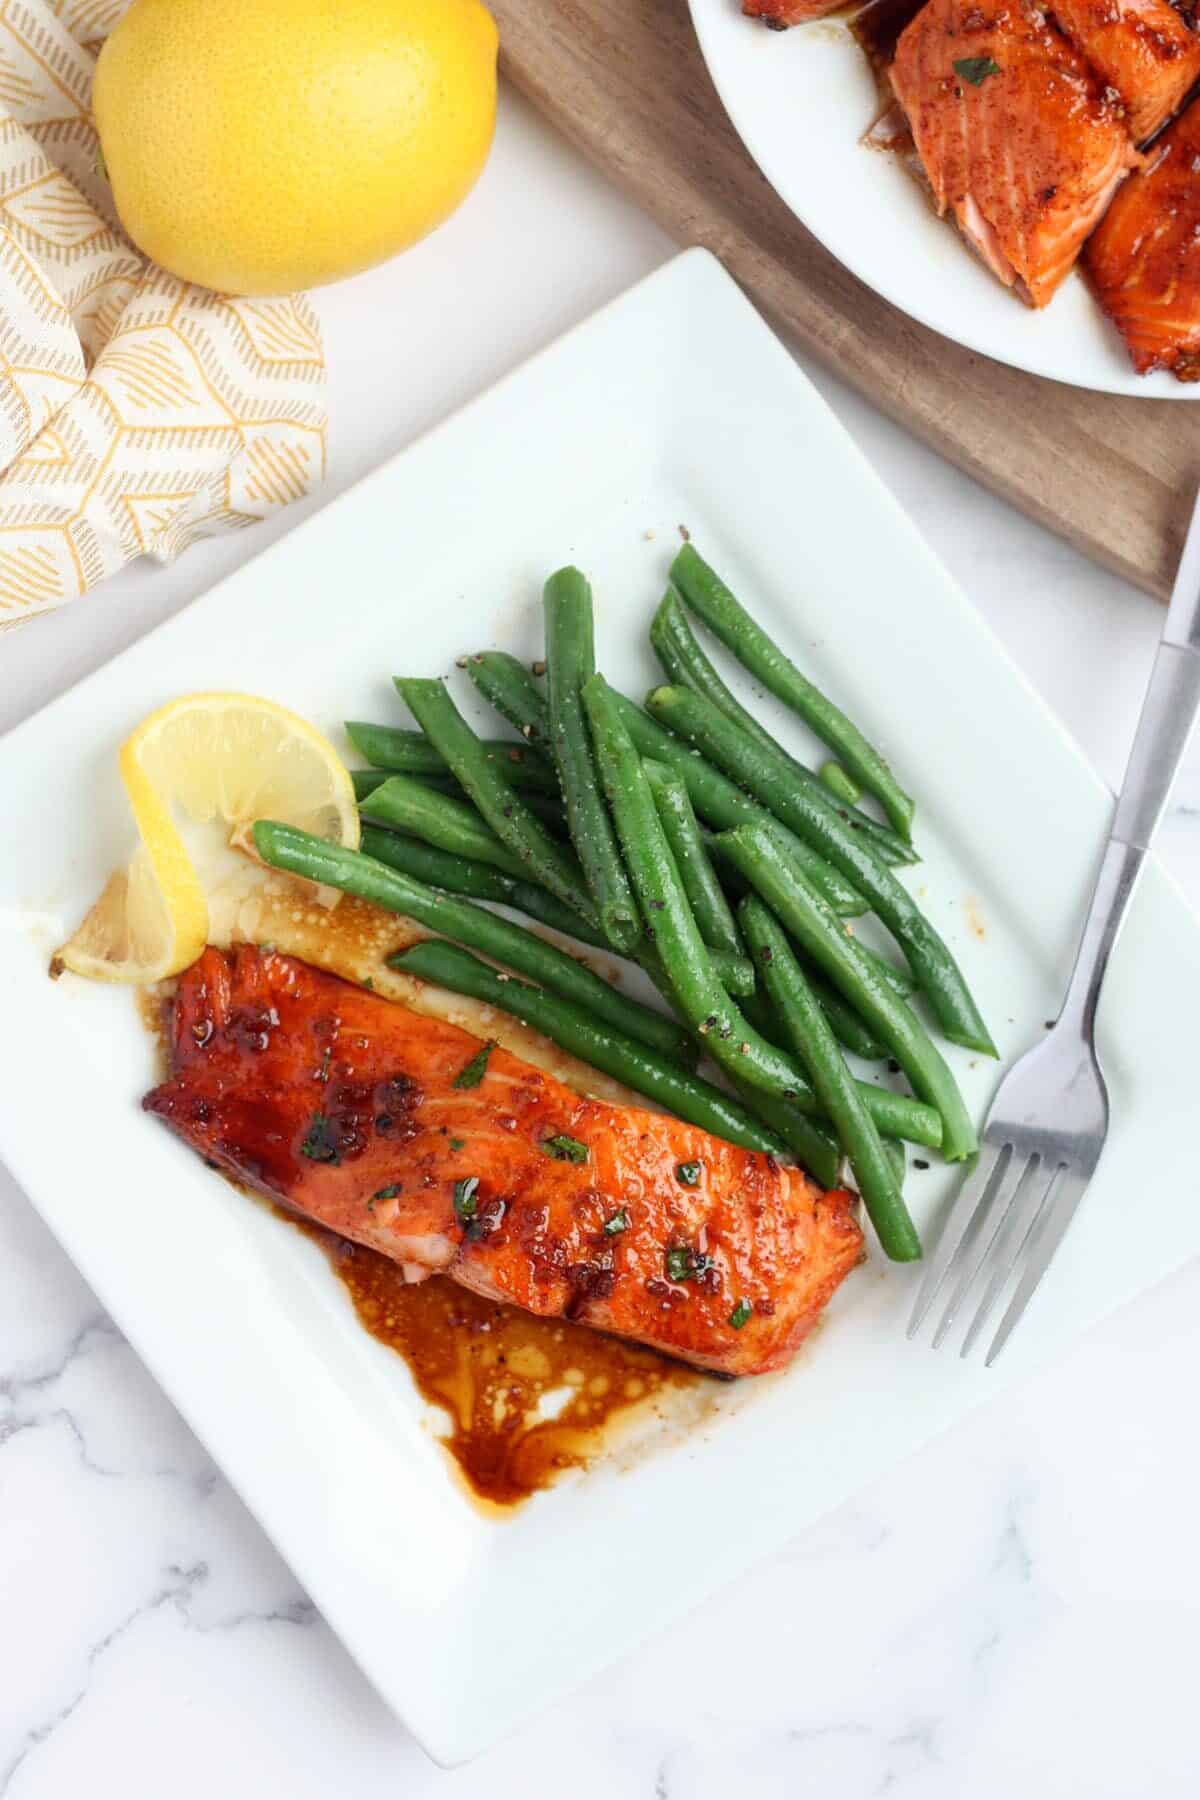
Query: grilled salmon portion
{"points": [[1143, 263], [779, 14], [1020, 140], [1143, 49], [405, 1133]]}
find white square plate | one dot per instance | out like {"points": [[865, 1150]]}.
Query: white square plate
{"points": [[676, 405]]}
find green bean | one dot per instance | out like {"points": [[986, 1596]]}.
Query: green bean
{"points": [[570, 659], [814, 1044], [507, 685], [898, 1158], [840, 785], [452, 825], [300, 853], [411, 753], [614, 1052], [808, 1140], [522, 834], [704, 893], [899, 980], [687, 665], [728, 619], [721, 803], [366, 781], [478, 881], [815, 926], [844, 1022], [543, 806], [767, 776]]}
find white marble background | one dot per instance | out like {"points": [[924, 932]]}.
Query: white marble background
{"points": [[1015, 1610]]}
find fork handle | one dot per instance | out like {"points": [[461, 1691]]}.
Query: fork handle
{"points": [[1168, 716]]}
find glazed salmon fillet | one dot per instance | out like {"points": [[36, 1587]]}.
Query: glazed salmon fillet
{"points": [[1143, 263], [1143, 49], [405, 1133], [1020, 140]]}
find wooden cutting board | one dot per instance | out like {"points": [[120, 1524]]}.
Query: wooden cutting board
{"points": [[624, 79]]}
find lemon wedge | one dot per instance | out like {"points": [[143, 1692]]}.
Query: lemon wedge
{"points": [[231, 758]]}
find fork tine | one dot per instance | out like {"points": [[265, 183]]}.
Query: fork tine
{"points": [[970, 1206], [977, 1253], [1010, 1244], [1053, 1229]]}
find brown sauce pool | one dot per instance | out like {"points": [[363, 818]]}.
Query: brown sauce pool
{"points": [[877, 27], [491, 1369]]}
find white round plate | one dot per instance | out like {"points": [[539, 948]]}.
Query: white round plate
{"points": [[801, 101]]}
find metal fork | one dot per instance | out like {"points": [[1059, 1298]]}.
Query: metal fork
{"points": [[1049, 1119]]}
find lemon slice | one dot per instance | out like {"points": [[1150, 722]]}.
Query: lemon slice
{"points": [[231, 758]]}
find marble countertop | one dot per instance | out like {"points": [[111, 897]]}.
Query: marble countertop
{"points": [[1012, 1610]]}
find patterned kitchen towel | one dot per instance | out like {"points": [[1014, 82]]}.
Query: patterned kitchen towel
{"points": [[137, 412]]}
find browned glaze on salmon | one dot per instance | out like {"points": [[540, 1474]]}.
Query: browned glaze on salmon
{"points": [[405, 1133], [1022, 143], [1143, 263], [1144, 49]]}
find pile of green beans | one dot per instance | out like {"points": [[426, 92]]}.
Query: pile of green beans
{"points": [[686, 838]]}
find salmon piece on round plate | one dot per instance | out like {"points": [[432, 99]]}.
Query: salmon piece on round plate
{"points": [[1021, 141], [407, 1134], [1143, 263], [1144, 49]]}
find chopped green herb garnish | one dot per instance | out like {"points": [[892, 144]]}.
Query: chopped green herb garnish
{"points": [[686, 1264], [458, 1143], [387, 1193], [326, 1059], [565, 1149], [466, 1200], [320, 1145], [688, 1174], [617, 1224], [369, 982], [473, 1073], [976, 69], [740, 1314]]}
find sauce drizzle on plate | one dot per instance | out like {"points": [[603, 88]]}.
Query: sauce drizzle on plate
{"points": [[525, 1398]]}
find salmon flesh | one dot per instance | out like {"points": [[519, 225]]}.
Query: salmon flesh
{"points": [[1143, 263]]}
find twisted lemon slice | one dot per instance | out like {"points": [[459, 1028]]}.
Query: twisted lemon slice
{"points": [[228, 757]]}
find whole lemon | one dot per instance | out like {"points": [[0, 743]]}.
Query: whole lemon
{"points": [[255, 146]]}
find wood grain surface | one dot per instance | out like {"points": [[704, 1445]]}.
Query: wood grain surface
{"points": [[625, 81]]}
